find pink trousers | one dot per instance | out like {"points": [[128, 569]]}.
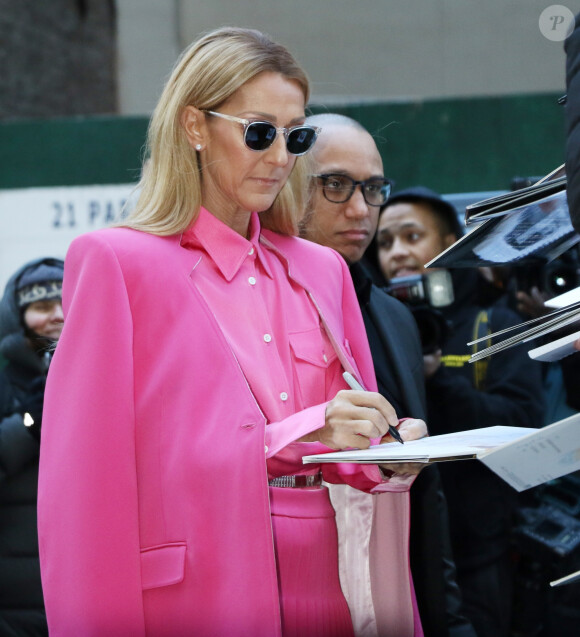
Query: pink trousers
{"points": [[306, 545]]}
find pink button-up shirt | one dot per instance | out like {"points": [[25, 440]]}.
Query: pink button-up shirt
{"points": [[286, 338]]}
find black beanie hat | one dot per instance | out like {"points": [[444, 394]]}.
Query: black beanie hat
{"points": [[418, 194], [40, 282]]}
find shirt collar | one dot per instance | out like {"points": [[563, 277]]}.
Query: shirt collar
{"points": [[225, 247]]}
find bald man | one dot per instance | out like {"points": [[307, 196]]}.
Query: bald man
{"points": [[347, 190]]}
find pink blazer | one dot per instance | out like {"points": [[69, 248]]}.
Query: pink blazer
{"points": [[154, 514]]}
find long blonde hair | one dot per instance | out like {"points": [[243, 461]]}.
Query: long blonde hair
{"points": [[207, 73]]}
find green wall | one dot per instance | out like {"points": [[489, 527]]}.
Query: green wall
{"points": [[450, 145], [71, 152], [466, 145]]}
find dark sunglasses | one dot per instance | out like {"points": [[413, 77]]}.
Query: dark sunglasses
{"points": [[261, 135], [338, 188]]}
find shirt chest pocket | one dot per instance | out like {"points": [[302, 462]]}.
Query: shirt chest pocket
{"points": [[315, 363]]}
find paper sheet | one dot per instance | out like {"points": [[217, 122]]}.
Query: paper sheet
{"points": [[548, 453], [462, 444], [522, 456]]}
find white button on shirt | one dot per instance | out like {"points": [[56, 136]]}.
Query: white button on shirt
{"points": [[276, 309], [252, 280], [284, 396]]}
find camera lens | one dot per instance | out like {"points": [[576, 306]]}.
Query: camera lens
{"points": [[560, 278], [433, 329]]}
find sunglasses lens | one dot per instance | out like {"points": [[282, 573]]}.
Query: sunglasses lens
{"points": [[300, 140], [260, 135]]}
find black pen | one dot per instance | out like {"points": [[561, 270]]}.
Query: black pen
{"points": [[352, 382]]}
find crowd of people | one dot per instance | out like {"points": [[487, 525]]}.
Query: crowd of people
{"points": [[203, 346]]}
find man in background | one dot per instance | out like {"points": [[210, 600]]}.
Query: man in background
{"points": [[348, 188]]}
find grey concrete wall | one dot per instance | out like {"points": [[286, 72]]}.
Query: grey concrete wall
{"points": [[57, 58], [364, 49], [148, 45]]}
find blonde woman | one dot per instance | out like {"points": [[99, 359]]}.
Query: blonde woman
{"points": [[201, 359]]}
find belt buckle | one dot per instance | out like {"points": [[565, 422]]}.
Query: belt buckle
{"points": [[296, 481]]}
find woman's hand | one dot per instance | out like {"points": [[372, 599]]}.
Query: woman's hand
{"points": [[352, 419], [410, 429]]}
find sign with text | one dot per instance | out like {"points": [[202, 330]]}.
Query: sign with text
{"points": [[41, 222]]}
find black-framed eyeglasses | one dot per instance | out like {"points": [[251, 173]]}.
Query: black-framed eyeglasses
{"points": [[260, 135], [339, 188]]}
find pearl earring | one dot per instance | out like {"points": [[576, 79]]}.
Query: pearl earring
{"points": [[198, 147]]}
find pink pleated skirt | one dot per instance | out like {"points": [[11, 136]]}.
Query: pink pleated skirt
{"points": [[306, 546]]}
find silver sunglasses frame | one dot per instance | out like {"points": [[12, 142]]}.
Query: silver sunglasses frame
{"points": [[285, 131]]}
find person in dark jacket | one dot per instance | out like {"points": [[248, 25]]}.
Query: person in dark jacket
{"points": [[415, 226], [348, 189], [30, 324], [572, 48]]}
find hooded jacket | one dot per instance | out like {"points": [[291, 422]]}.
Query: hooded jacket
{"points": [[21, 604]]}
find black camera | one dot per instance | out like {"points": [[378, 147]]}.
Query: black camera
{"points": [[554, 277], [546, 546], [549, 534], [548, 528], [424, 294]]}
